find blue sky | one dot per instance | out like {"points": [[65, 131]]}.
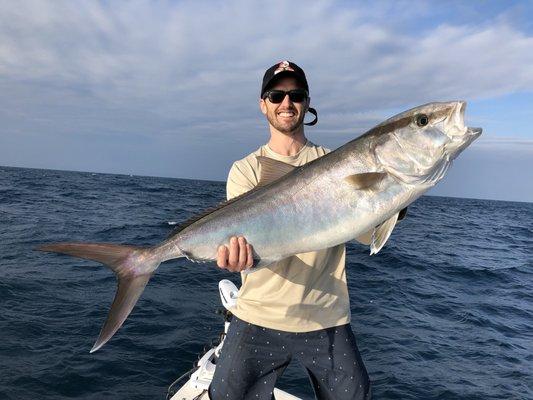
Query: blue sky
{"points": [[169, 88]]}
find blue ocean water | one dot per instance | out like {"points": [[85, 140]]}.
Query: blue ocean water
{"points": [[444, 311]]}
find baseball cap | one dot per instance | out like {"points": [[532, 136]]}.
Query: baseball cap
{"points": [[281, 69]]}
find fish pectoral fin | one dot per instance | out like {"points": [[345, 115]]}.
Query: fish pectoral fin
{"points": [[381, 234], [365, 180], [272, 170]]}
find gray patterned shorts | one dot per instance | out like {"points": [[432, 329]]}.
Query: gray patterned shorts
{"points": [[253, 357]]}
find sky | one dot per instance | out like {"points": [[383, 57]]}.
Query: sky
{"points": [[170, 88]]}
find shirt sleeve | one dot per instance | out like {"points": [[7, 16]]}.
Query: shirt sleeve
{"points": [[240, 181]]}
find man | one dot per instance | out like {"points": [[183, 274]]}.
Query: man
{"points": [[297, 308]]}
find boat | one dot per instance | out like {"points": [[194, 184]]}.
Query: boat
{"points": [[193, 384]]}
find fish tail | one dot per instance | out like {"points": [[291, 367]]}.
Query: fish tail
{"points": [[133, 266]]}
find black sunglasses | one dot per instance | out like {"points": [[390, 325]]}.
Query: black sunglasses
{"points": [[277, 96]]}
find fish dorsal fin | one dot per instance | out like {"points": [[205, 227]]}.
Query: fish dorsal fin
{"points": [[382, 233], [272, 170], [365, 180]]}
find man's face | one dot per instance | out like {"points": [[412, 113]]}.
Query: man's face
{"points": [[287, 117]]}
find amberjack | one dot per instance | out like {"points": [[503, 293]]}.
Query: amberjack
{"points": [[355, 191]]}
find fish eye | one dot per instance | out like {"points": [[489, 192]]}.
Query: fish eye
{"points": [[422, 120]]}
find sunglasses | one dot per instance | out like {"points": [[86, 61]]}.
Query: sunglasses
{"points": [[277, 96]]}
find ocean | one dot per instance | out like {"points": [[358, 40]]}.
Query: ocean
{"points": [[444, 311]]}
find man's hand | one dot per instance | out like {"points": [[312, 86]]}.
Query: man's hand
{"points": [[238, 257]]}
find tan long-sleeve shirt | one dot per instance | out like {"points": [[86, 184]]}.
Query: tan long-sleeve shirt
{"points": [[302, 293]]}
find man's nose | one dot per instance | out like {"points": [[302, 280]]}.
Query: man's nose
{"points": [[286, 101]]}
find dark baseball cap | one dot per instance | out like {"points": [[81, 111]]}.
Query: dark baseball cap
{"points": [[281, 69]]}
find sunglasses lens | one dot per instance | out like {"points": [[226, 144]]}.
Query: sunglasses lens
{"points": [[297, 96], [276, 96]]}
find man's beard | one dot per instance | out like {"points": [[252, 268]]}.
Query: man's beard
{"points": [[286, 129]]}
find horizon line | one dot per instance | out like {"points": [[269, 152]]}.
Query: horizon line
{"points": [[217, 181]]}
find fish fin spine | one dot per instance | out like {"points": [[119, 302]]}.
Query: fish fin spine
{"points": [[272, 170]]}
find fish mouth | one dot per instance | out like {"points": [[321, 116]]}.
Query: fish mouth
{"points": [[457, 121], [475, 132], [460, 143], [470, 135], [459, 115], [470, 132], [461, 135]]}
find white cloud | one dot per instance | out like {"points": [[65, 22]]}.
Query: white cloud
{"points": [[158, 50], [191, 70]]}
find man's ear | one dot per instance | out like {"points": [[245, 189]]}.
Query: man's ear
{"points": [[262, 106]]}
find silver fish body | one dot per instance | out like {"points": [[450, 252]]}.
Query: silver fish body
{"points": [[310, 209], [315, 207], [356, 189]]}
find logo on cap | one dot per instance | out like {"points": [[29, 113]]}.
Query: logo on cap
{"points": [[283, 66]]}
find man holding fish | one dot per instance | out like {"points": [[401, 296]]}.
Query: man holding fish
{"points": [[296, 308]]}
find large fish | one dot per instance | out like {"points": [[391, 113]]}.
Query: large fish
{"points": [[353, 192]]}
